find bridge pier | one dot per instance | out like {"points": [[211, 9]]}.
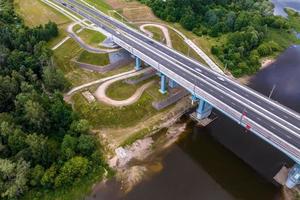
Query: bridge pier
{"points": [[163, 85], [203, 110], [172, 83], [138, 63], [293, 176]]}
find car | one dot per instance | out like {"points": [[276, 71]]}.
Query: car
{"points": [[64, 4]]}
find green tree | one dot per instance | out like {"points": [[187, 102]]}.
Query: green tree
{"points": [[37, 145], [36, 175], [80, 127], [48, 178], [86, 145], [68, 147], [14, 178], [72, 169]]}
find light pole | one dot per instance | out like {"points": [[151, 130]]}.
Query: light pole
{"points": [[271, 92], [243, 114]]}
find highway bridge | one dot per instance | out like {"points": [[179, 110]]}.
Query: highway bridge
{"points": [[269, 120]]}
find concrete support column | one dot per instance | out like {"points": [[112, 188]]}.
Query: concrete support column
{"points": [[163, 85], [172, 83], [204, 109], [293, 176], [138, 63]]}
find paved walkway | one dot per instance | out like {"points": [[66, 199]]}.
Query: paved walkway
{"points": [[162, 28], [189, 42], [83, 44], [75, 89], [100, 93]]}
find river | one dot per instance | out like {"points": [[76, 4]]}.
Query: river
{"points": [[281, 4]]}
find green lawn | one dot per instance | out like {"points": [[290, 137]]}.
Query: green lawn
{"points": [[30, 11], [157, 33], [121, 91], [77, 27], [104, 116], [35, 12], [179, 45], [91, 37], [100, 4], [93, 58]]}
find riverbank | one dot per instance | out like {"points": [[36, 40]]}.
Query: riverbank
{"points": [[140, 160]]}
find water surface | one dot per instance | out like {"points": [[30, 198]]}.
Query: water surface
{"points": [[281, 4]]}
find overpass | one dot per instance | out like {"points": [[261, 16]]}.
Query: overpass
{"points": [[269, 120]]}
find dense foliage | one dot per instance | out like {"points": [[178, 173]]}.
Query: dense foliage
{"points": [[43, 143], [244, 22]]}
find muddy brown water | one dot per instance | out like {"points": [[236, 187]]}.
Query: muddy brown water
{"points": [[222, 161]]}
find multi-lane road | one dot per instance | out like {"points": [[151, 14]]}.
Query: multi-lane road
{"points": [[270, 120]]}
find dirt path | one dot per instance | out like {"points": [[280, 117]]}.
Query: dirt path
{"points": [[100, 93], [162, 28]]}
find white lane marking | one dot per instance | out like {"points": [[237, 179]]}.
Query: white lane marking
{"points": [[199, 70], [273, 127], [221, 78]]}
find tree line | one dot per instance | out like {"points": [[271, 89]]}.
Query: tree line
{"points": [[44, 145], [244, 22]]}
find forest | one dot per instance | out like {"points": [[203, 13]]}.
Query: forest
{"points": [[44, 145], [244, 23]]}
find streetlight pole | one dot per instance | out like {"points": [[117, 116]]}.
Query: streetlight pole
{"points": [[273, 88]]}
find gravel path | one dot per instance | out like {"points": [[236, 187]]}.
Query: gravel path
{"points": [[100, 93]]}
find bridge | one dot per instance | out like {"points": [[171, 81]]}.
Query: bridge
{"points": [[269, 120]]}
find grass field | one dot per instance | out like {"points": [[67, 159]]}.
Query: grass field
{"points": [[157, 33], [100, 4], [91, 37], [179, 45], [93, 58], [121, 91], [35, 12], [104, 116], [76, 76]]}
